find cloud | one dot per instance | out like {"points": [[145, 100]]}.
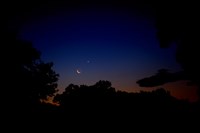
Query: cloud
{"points": [[160, 78]]}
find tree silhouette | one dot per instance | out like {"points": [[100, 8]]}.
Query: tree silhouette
{"points": [[43, 81], [100, 92], [28, 78], [101, 97], [177, 23]]}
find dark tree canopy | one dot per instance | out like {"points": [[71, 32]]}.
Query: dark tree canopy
{"points": [[27, 78], [101, 97], [102, 91], [177, 23]]}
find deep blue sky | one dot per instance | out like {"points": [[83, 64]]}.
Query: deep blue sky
{"points": [[104, 42], [115, 42], [121, 46]]}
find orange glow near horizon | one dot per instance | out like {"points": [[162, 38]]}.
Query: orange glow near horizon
{"points": [[181, 90], [178, 89]]}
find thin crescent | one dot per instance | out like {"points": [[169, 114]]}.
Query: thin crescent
{"points": [[78, 71]]}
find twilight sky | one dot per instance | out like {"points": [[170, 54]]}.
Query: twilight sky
{"points": [[102, 42]]}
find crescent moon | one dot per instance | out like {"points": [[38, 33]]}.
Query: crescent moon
{"points": [[77, 71]]}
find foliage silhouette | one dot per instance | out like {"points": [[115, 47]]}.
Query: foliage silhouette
{"points": [[177, 25], [28, 78], [88, 96], [102, 97]]}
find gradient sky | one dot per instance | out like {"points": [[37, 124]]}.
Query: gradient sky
{"points": [[103, 43]]}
